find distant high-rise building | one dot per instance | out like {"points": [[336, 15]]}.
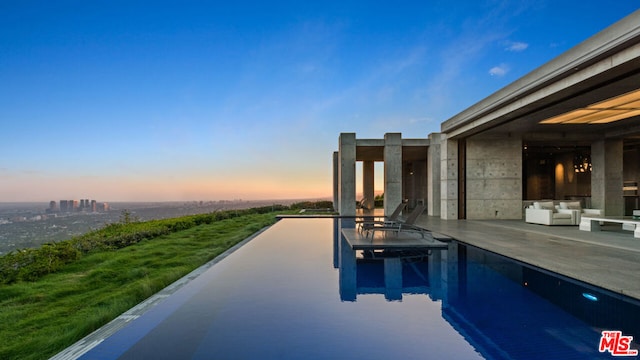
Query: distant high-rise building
{"points": [[64, 206], [53, 207], [81, 205]]}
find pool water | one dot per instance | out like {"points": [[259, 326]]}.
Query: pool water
{"points": [[284, 295]]}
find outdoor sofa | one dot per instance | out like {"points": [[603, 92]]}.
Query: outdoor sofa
{"points": [[564, 213]]}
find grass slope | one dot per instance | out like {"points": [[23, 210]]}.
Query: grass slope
{"points": [[42, 317]]}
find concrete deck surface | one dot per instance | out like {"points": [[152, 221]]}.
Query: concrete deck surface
{"points": [[609, 259]]}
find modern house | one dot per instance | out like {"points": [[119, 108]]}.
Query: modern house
{"points": [[569, 130]]}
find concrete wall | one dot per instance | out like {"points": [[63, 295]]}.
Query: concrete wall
{"points": [[433, 175], [494, 178]]}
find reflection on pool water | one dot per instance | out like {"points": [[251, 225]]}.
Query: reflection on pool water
{"points": [[284, 295]]}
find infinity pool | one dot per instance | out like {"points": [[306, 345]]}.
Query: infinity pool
{"points": [[283, 295]]}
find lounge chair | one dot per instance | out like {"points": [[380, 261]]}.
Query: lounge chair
{"points": [[407, 225], [362, 204], [391, 219]]}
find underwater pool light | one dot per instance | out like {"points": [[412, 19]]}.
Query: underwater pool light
{"points": [[590, 296]]}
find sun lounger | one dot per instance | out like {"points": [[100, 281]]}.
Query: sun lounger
{"points": [[391, 219], [407, 225], [363, 204]]}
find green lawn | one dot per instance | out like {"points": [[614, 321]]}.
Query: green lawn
{"points": [[42, 317]]}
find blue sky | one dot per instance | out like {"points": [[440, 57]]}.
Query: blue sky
{"points": [[199, 100]]}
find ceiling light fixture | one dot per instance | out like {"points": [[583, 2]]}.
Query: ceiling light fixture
{"points": [[614, 109]]}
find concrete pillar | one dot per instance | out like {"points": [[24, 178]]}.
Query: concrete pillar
{"points": [[606, 177], [448, 178], [336, 181], [433, 175], [368, 174], [347, 174], [392, 171]]}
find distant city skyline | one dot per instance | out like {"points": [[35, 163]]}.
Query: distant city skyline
{"points": [[188, 101], [77, 205]]}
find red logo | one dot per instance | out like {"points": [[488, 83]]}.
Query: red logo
{"points": [[617, 344]]}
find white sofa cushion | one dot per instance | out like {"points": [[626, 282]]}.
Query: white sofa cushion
{"points": [[544, 205], [572, 205]]}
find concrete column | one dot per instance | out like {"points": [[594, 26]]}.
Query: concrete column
{"points": [[448, 178], [336, 181], [368, 174], [347, 174], [392, 171], [606, 177], [433, 175]]}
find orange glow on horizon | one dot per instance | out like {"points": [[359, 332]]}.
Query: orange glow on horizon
{"points": [[45, 188]]}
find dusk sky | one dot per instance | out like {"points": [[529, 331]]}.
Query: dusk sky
{"points": [[209, 100]]}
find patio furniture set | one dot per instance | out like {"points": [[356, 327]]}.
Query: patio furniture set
{"points": [[561, 213], [572, 213]]}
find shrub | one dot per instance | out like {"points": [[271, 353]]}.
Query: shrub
{"points": [[31, 264], [312, 205]]}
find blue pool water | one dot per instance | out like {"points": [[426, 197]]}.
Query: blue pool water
{"points": [[283, 295]]}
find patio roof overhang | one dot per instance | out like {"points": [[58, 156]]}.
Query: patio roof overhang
{"points": [[604, 66]]}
